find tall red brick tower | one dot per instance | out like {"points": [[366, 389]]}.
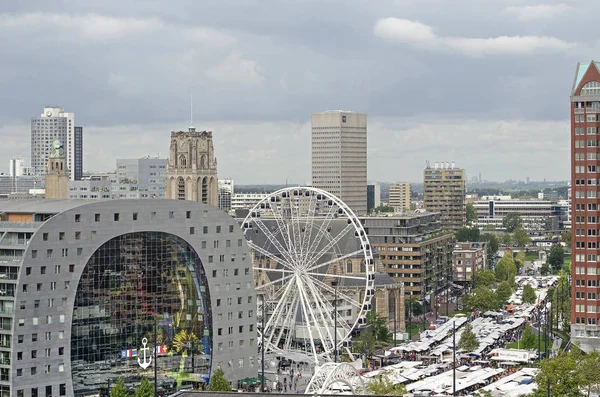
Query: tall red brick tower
{"points": [[585, 185]]}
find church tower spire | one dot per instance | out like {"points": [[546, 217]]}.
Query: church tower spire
{"points": [[192, 167], [192, 128], [57, 173]]}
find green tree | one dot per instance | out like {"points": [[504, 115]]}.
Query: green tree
{"points": [[484, 278], [528, 338], [589, 368], [504, 292], [482, 299], [468, 341], [383, 386], [471, 214], [566, 237], [365, 343], [506, 239], [519, 259], [521, 237], [413, 304], [145, 389], [556, 258], [468, 234], [529, 295], [506, 270], [218, 382], [119, 389], [512, 221], [378, 326], [561, 373], [492, 245], [545, 269], [489, 228], [383, 208]]}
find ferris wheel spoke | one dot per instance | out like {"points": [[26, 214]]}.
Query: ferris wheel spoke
{"points": [[311, 313], [282, 260], [338, 276], [308, 224], [323, 308], [306, 318], [322, 230], [273, 282], [285, 322], [340, 296], [329, 262], [280, 302], [273, 240], [281, 225], [329, 245], [340, 320]]}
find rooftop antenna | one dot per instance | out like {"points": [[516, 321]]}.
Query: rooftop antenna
{"points": [[191, 112]]}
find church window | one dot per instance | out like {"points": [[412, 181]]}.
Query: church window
{"points": [[181, 189]]}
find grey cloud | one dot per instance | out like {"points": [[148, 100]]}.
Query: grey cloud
{"points": [[259, 68]]}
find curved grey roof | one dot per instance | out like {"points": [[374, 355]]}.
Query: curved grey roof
{"points": [[41, 205]]}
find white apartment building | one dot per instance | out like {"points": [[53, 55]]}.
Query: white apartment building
{"points": [[339, 156], [245, 201], [16, 166], [55, 124]]}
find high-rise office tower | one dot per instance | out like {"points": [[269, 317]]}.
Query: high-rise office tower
{"points": [[77, 154], [373, 196], [339, 156], [55, 124], [399, 197], [585, 167], [225, 194], [444, 192]]}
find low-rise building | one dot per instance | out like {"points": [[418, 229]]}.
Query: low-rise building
{"points": [[468, 257], [245, 201], [92, 187], [142, 178], [414, 250], [534, 213]]}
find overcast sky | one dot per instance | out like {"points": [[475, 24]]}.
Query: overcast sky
{"points": [[484, 83]]}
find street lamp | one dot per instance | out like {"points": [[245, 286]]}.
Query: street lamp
{"points": [[395, 297], [334, 284], [262, 347], [447, 289], [454, 357], [155, 349], [410, 317]]}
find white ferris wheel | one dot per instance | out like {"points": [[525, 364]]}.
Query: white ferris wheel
{"points": [[314, 272]]}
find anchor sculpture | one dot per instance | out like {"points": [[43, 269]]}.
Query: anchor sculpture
{"points": [[145, 364]]}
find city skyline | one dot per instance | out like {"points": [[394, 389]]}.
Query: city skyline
{"points": [[258, 79]]}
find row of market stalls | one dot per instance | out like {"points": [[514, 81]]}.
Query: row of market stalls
{"points": [[519, 383], [468, 379]]}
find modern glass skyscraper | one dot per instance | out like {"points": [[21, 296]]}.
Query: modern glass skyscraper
{"points": [[339, 156]]}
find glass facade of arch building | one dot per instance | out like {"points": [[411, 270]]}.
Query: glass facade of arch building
{"points": [[132, 286]]}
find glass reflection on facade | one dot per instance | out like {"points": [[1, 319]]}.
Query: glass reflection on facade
{"points": [[132, 284]]}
